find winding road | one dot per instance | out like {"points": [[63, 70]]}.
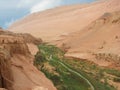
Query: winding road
{"points": [[92, 87], [89, 83]]}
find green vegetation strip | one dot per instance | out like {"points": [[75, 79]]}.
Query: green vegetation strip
{"points": [[69, 74]]}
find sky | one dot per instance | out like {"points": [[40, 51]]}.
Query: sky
{"points": [[13, 10]]}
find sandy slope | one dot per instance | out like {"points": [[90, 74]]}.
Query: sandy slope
{"points": [[101, 36], [53, 23]]}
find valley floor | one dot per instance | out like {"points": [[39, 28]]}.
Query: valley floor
{"points": [[74, 74]]}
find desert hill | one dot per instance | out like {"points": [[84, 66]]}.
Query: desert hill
{"points": [[51, 24], [17, 71], [83, 29], [101, 38]]}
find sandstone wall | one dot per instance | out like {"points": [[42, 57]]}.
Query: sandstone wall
{"points": [[14, 45], [17, 71]]}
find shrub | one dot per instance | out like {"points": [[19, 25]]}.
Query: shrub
{"points": [[116, 79]]}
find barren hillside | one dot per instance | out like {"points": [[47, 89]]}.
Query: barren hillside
{"points": [[51, 24], [100, 37]]}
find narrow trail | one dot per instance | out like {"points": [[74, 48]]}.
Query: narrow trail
{"points": [[92, 87], [90, 84]]}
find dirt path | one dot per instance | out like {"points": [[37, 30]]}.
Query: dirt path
{"points": [[78, 74]]}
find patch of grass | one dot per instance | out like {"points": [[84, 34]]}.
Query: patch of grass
{"points": [[113, 72], [92, 72], [116, 79]]}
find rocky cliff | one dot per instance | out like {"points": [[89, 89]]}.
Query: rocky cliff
{"points": [[17, 71]]}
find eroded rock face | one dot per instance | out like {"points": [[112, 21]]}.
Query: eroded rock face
{"points": [[27, 37], [17, 71], [9, 47], [6, 77], [30, 39], [14, 45]]}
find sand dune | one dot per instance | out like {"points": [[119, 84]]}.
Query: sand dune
{"points": [[51, 24]]}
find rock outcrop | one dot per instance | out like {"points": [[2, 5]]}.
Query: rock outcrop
{"points": [[27, 37], [14, 45], [17, 71], [5, 70]]}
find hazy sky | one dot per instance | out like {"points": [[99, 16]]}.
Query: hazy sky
{"points": [[12, 10]]}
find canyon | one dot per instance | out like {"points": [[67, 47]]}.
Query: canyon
{"points": [[87, 33]]}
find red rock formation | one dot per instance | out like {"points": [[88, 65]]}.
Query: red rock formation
{"points": [[14, 45], [17, 71], [5, 69]]}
